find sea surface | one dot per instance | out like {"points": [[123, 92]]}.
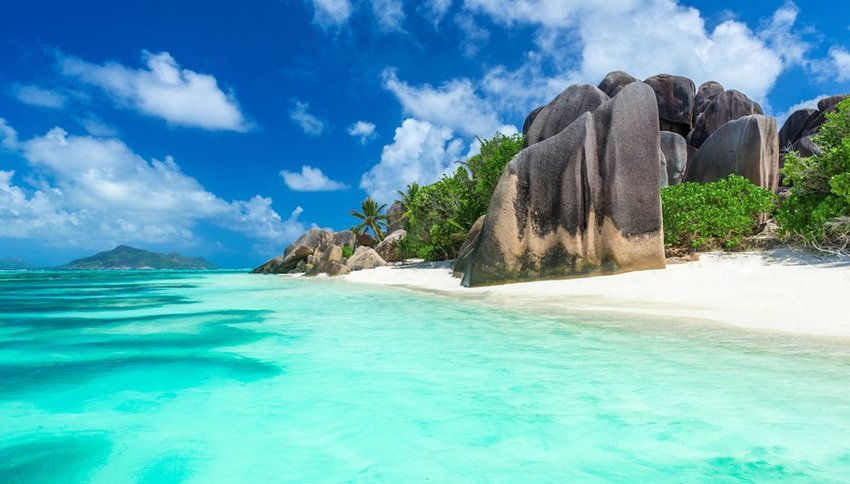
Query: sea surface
{"points": [[165, 377]]}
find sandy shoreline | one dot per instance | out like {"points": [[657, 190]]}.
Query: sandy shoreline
{"points": [[778, 290]]}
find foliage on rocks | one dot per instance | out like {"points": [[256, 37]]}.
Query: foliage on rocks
{"points": [[713, 215]]}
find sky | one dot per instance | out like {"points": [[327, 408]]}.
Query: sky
{"points": [[225, 130]]}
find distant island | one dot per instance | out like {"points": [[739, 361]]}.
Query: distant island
{"points": [[125, 257]]}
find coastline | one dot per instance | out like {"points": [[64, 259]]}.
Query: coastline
{"points": [[779, 290]]}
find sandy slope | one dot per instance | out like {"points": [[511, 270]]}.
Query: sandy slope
{"points": [[776, 290]]}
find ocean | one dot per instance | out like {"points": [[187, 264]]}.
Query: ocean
{"points": [[164, 377]]}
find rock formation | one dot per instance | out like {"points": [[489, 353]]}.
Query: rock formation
{"points": [[748, 146], [614, 82], [675, 150], [675, 97], [584, 201], [395, 217], [793, 128], [727, 106], [563, 110], [389, 248], [706, 93], [345, 238], [467, 247], [365, 258]]}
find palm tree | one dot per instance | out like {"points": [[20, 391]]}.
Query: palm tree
{"points": [[371, 217], [406, 199]]}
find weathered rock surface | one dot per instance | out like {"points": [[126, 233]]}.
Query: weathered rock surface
{"points": [[366, 240], [325, 260], [614, 82], [706, 93], [748, 146], [389, 248], [529, 120], [345, 238], [675, 96], [806, 146], [365, 258], [793, 128], [296, 252], [395, 216], [563, 110], [583, 202], [727, 106], [675, 150], [467, 247]]}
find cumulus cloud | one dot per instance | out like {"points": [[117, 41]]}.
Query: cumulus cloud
{"points": [[86, 190], [388, 13], [308, 122], [421, 152], [363, 130], [37, 96], [330, 13], [310, 180], [163, 89], [454, 104], [8, 135], [840, 59]]}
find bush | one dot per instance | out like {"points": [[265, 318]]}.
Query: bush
{"points": [[719, 214], [347, 251], [818, 205], [440, 215]]}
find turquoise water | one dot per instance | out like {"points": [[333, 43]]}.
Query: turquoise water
{"points": [[223, 377]]}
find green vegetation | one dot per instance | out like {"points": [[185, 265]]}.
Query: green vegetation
{"points": [[818, 206], [124, 257], [719, 214], [347, 251], [438, 216], [371, 217]]}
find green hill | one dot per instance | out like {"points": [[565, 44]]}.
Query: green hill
{"points": [[124, 257]]}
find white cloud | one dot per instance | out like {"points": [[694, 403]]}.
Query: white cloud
{"points": [[363, 130], [420, 152], [389, 14], [163, 89], [436, 9], [840, 58], [311, 124], [310, 180], [85, 190], [37, 96], [454, 105], [330, 13], [475, 36], [8, 135], [97, 127]]}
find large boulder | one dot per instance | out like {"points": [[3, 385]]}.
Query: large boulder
{"points": [[366, 240], [390, 248], [345, 238], [467, 248], [365, 258], [274, 266], [727, 106], [793, 128], [675, 150], [614, 82], [296, 252], [529, 120], [747, 146], [308, 241], [563, 110], [395, 216], [583, 202], [706, 93], [675, 97]]}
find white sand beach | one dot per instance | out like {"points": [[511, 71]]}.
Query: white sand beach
{"points": [[779, 290]]}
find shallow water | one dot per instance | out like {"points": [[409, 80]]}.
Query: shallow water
{"points": [[162, 377]]}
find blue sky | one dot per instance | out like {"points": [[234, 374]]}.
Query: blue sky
{"points": [[225, 131]]}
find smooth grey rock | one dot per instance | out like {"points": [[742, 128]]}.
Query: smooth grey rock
{"points": [[706, 93], [365, 258], [675, 97], [792, 130], [467, 247], [825, 106], [747, 146], [529, 120], [296, 252], [563, 110], [675, 150], [727, 106], [389, 249], [395, 216], [614, 82], [806, 147], [583, 202]]}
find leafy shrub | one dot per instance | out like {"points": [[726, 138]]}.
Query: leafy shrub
{"points": [[719, 214], [818, 205], [347, 251], [439, 215]]}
